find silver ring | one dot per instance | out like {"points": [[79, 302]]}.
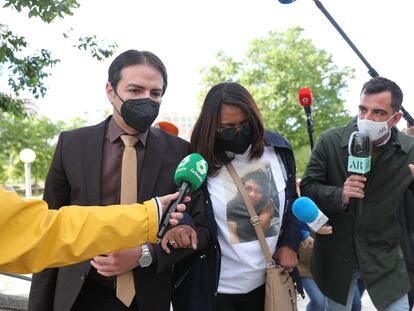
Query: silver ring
{"points": [[171, 242]]}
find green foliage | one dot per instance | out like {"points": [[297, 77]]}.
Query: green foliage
{"points": [[16, 134], [26, 70], [273, 70], [13, 106], [36, 133], [302, 155], [95, 47], [47, 10]]}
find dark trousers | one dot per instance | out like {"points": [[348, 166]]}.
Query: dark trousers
{"points": [[100, 302], [251, 301], [99, 294]]}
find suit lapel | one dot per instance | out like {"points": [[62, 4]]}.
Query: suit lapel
{"points": [[151, 166], [92, 157]]}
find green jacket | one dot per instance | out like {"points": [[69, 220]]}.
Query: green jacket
{"points": [[370, 240]]}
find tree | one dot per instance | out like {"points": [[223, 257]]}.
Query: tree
{"points": [[37, 133], [26, 70], [273, 70]]}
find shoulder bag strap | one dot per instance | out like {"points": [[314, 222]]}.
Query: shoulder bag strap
{"points": [[254, 219]]}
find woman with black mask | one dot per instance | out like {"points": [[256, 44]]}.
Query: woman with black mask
{"points": [[230, 129]]}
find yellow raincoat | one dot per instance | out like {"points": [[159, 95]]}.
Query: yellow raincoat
{"points": [[33, 238]]}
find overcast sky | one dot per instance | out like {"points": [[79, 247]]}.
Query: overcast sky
{"points": [[186, 35]]}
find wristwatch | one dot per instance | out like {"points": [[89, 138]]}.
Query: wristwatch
{"points": [[145, 260]]}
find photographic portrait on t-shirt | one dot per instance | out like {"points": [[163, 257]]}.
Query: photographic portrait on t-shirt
{"points": [[261, 190]]}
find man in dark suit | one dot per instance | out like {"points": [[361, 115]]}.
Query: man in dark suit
{"points": [[86, 170]]}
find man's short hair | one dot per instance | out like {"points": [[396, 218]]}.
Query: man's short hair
{"points": [[134, 57], [379, 85]]}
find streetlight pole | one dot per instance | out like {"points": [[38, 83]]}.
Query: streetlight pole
{"points": [[27, 156]]}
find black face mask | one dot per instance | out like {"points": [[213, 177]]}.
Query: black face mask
{"points": [[235, 139], [139, 113]]}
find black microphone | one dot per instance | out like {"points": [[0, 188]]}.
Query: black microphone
{"points": [[305, 100], [359, 160]]}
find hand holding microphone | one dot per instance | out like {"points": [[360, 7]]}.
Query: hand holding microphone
{"points": [[189, 176], [175, 216], [353, 188]]}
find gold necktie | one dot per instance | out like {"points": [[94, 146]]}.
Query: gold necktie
{"points": [[125, 288]]}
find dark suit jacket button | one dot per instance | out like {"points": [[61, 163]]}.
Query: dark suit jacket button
{"points": [[83, 276]]}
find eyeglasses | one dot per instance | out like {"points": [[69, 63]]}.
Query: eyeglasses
{"points": [[228, 133]]}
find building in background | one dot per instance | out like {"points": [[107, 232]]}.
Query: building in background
{"points": [[182, 120], [30, 106]]}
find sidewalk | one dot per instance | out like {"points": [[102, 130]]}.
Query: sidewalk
{"points": [[365, 301], [10, 286]]}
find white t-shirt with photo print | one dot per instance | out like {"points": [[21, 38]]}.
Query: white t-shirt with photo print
{"points": [[242, 262]]}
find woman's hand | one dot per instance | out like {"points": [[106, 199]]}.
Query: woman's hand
{"points": [[181, 236], [287, 258]]}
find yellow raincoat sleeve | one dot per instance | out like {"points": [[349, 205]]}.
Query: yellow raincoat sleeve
{"points": [[33, 238]]}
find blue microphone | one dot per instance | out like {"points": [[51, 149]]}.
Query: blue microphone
{"points": [[306, 211], [286, 1]]}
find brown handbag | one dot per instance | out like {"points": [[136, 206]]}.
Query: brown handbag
{"points": [[281, 293]]}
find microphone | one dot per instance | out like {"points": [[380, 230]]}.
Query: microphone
{"points": [[372, 72], [359, 160], [305, 97], [359, 149], [306, 211], [189, 176], [305, 100], [167, 127]]}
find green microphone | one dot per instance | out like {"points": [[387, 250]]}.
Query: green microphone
{"points": [[189, 176]]}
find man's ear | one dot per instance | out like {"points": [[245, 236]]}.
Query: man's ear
{"points": [[110, 93], [397, 118]]}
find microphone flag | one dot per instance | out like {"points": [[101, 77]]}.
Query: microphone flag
{"points": [[359, 149]]}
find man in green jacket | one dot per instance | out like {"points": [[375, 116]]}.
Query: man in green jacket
{"points": [[364, 243]]}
